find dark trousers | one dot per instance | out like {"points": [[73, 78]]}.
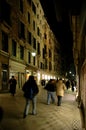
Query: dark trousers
{"points": [[59, 100]]}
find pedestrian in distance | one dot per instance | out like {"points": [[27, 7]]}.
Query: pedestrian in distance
{"points": [[51, 88], [12, 83], [60, 88], [68, 84], [73, 85], [30, 89]]}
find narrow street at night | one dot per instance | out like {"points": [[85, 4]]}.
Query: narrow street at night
{"points": [[45, 39], [49, 117]]}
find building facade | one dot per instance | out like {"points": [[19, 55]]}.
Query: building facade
{"points": [[24, 31], [79, 51]]}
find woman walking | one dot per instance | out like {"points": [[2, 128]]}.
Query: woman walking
{"points": [[60, 87], [30, 89]]}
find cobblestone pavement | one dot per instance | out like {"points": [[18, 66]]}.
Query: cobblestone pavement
{"points": [[49, 117]]}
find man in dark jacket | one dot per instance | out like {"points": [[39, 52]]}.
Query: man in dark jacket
{"points": [[12, 83], [50, 87]]}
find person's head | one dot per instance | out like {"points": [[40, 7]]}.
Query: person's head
{"points": [[31, 78], [12, 77], [60, 80]]}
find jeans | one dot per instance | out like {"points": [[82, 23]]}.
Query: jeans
{"points": [[50, 96], [27, 106]]}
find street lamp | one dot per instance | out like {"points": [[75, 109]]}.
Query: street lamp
{"points": [[33, 54], [70, 72]]}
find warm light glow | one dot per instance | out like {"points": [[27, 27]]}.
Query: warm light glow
{"points": [[27, 76], [42, 76], [51, 77], [46, 77], [33, 54], [54, 77], [38, 75]]}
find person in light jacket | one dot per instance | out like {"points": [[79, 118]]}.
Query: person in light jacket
{"points": [[60, 88]]}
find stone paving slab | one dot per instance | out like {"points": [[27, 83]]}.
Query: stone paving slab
{"points": [[49, 117]]}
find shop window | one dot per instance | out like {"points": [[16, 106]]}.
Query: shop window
{"points": [[4, 76]]}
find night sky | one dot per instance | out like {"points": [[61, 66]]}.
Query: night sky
{"points": [[57, 14]]}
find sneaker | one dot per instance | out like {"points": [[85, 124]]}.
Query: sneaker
{"points": [[48, 103]]}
